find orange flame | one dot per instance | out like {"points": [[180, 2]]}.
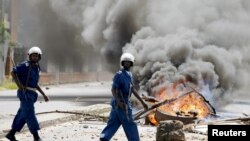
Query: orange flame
{"points": [[191, 105], [152, 119]]}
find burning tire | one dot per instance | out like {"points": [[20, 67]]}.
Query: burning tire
{"points": [[161, 116]]}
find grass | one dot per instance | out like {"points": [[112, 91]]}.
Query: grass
{"points": [[8, 84]]}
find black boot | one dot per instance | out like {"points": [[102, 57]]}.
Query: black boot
{"points": [[11, 135], [102, 139], [36, 136]]}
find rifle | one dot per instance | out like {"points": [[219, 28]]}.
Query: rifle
{"points": [[120, 94], [18, 81]]}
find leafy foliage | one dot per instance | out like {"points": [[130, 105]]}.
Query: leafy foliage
{"points": [[8, 84], [3, 33]]}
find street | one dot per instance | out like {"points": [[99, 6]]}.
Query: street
{"points": [[83, 131], [72, 97], [66, 96]]}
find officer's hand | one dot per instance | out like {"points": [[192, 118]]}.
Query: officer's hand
{"points": [[149, 98], [46, 98]]}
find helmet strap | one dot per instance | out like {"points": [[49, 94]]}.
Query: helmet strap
{"points": [[127, 68], [38, 59]]}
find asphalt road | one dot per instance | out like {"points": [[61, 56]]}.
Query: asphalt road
{"points": [[70, 96], [69, 92], [67, 96]]}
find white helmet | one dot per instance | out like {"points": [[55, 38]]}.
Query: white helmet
{"points": [[35, 50], [127, 57]]}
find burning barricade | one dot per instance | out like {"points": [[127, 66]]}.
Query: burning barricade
{"points": [[185, 106]]}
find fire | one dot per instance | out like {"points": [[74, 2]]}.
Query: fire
{"points": [[152, 119], [192, 105]]}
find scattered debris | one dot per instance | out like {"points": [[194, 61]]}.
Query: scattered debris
{"points": [[170, 130], [144, 113]]}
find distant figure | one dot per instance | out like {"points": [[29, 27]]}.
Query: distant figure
{"points": [[26, 76], [121, 112]]}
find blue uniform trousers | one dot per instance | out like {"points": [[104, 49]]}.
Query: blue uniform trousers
{"points": [[120, 117], [26, 114]]}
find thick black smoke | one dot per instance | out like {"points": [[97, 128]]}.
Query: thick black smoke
{"points": [[206, 43]]}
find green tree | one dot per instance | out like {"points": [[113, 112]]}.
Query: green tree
{"points": [[3, 33]]}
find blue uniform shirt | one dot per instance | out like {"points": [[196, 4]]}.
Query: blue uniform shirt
{"points": [[123, 82], [22, 71], [28, 75]]}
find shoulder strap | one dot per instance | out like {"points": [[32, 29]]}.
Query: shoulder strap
{"points": [[27, 80]]}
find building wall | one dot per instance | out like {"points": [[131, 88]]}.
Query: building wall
{"points": [[63, 78]]}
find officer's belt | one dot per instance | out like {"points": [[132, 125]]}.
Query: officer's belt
{"points": [[31, 89]]}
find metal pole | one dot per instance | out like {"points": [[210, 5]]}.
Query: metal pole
{"points": [[1, 44]]}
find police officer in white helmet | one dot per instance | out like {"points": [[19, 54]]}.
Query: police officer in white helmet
{"points": [[26, 76], [121, 112]]}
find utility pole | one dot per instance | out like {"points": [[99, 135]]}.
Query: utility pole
{"points": [[13, 6], [13, 20], [1, 44]]}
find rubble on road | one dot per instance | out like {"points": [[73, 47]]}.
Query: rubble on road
{"points": [[87, 122], [51, 118], [170, 130]]}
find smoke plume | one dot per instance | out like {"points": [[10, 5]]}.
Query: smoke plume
{"points": [[39, 24], [202, 42]]}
